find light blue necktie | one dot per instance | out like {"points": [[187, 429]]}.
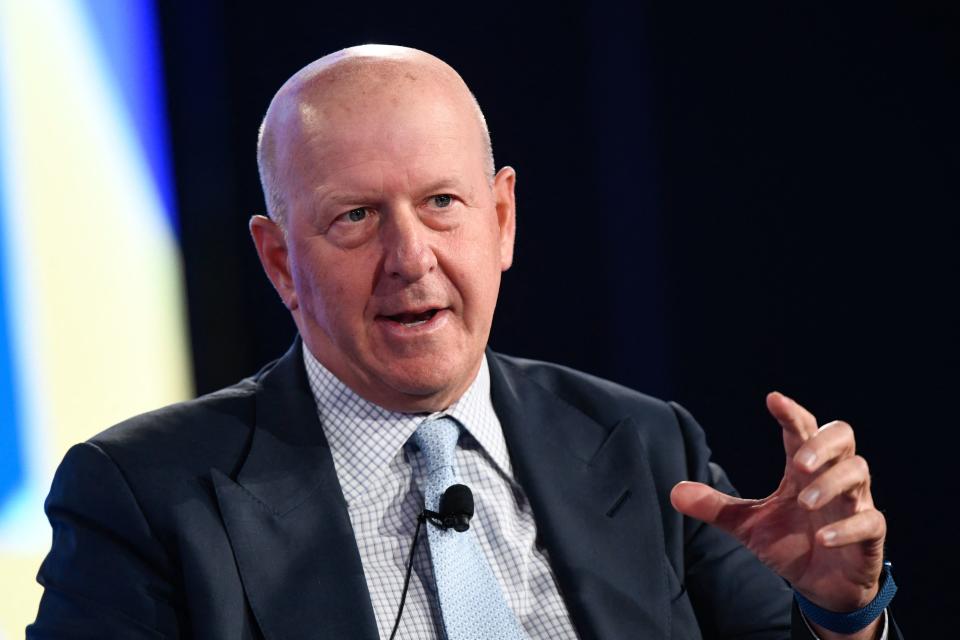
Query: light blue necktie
{"points": [[472, 605]]}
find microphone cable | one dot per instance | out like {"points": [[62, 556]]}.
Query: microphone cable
{"points": [[406, 581], [456, 509]]}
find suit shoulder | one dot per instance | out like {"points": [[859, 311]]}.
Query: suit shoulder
{"points": [[207, 431], [603, 400]]}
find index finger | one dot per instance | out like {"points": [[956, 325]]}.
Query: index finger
{"points": [[798, 424]]}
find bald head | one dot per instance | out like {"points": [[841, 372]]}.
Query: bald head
{"points": [[343, 85]]}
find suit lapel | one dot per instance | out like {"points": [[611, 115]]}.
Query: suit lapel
{"points": [[589, 486], [595, 507], [288, 521]]}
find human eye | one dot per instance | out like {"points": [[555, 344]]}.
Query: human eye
{"points": [[441, 200], [361, 217], [355, 215], [442, 210], [353, 227]]}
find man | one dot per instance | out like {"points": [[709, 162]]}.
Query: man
{"points": [[284, 506]]}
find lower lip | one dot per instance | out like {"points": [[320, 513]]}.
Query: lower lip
{"points": [[400, 330]]}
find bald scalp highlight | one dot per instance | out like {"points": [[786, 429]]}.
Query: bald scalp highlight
{"points": [[355, 69]]}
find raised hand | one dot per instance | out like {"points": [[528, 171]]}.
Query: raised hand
{"points": [[819, 530]]}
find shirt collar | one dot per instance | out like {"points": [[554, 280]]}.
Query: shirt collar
{"points": [[364, 437]]}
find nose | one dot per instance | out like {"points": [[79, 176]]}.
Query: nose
{"points": [[408, 254]]}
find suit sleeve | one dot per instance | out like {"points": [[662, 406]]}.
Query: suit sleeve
{"points": [[733, 594], [106, 575]]}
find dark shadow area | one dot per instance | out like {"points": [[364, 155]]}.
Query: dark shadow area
{"points": [[715, 201]]}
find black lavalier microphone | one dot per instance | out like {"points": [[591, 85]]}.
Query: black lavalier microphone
{"points": [[456, 509]]}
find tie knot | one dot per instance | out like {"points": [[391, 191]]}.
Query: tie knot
{"points": [[437, 440]]}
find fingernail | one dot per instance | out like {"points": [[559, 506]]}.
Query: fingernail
{"points": [[809, 497], [828, 536], [808, 459]]}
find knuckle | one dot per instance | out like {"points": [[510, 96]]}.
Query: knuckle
{"points": [[827, 426], [841, 429], [876, 523], [842, 435], [846, 430], [860, 466], [837, 426]]}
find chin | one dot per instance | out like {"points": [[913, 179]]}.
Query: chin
{"points": [[431, 384]]}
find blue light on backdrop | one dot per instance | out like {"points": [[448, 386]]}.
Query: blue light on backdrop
{"points": [[92, 321]]}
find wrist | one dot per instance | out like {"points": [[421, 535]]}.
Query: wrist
{"points": [[850, 600], [860, 623], [873, 631]]}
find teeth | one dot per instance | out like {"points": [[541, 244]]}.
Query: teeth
{"points": [[413, 324]]}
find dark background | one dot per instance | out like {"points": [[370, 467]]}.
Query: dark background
{"points": [[715, 200]]}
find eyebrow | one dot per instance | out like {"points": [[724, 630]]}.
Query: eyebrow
{"points": [[347, 196], [454, 184]]}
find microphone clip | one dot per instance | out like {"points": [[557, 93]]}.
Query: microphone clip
{"points": [[456, 521]]}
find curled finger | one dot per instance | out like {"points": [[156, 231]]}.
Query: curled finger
{"points": [[847, 476], [834, 440], [865, 526]]}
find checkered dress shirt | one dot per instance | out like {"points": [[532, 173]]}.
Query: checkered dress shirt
{"points": [[380, 474]]}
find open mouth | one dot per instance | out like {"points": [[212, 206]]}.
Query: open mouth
{"points": [[413, 319]]}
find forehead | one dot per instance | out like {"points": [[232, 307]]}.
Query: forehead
{"points": [[368, 134]]}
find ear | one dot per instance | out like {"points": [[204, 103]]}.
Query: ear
{"points": [[503, 194], [271, 244]]}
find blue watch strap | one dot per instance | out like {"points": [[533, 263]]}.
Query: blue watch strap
{"points": [[854, 620]]}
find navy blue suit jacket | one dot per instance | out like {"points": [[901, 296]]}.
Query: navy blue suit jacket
{"points": [[222, 518]]}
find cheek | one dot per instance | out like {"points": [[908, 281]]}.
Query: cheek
{"points": [[476, 269], [333, 286], [317, 291], [309, 296]]}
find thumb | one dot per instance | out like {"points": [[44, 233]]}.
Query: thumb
{"points": [[705, 503]]}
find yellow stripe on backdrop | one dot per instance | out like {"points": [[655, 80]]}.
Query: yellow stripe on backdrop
{"points": [[93, 267]]}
